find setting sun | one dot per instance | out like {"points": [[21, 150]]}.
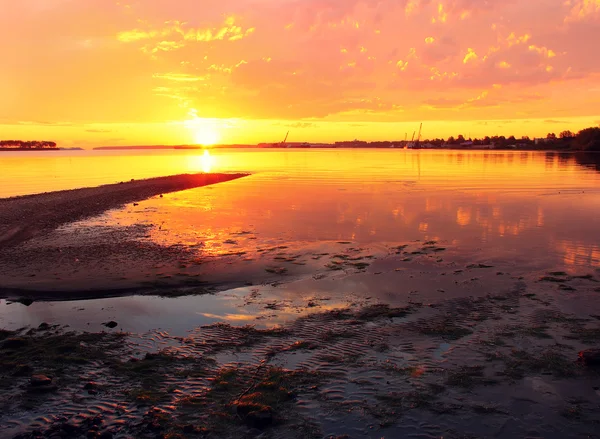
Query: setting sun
{"points": [[203, 131], [206, 136]]}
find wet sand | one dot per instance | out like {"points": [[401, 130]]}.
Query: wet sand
{"points": [[474, 350], [25, 217], [330, 341]]}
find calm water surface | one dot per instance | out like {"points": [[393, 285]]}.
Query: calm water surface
{"points": [[529, 209], [522, 202]]}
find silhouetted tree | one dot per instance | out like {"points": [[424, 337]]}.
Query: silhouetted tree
{"points": [[35, 144], [588, 140], [567, 134]]}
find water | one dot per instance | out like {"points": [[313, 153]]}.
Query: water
{"points": [[526, 210], [521, 205], [519, 214], [33, 172]]}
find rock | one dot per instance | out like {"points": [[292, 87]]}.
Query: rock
{"points": [[14, 343], [259, 419], [70, 430], [24, 301], [40, 380], [111, 324], [252, 433], [90, 386], [106, 435], [43, 326], [154, 426], [590, 357], [189, 429], [22, 370]]}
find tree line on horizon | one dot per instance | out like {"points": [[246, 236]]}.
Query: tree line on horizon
{"points": [[28, 144], [585, 140]]}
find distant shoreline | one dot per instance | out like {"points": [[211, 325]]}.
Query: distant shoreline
{"points": [[320, 147], [454, 148], [28, 149]]}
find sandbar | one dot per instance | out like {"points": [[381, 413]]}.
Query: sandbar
{"points": [[25, 217]]}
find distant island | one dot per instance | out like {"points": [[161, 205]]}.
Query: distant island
{"points": [[27, 145]]}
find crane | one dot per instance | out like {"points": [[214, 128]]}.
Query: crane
{"points": [[285, 140], [419, 137]]}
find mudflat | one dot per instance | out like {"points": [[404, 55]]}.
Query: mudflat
{"points": [[25, 217]]}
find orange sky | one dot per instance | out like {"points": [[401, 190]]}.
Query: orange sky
{"points": [[97, 72]]}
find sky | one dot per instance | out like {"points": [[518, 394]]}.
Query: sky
{"points": [[105, 72]]}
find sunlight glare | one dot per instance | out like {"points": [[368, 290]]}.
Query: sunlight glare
{"points": [[206, 136], [204, 131], [206, 161]]}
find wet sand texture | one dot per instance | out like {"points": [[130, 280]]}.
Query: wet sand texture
{"points": [[22, 218]]}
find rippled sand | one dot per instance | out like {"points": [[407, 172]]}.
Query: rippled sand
{"points": [[500, 359]]}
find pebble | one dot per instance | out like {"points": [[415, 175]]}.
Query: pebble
{"points": [[13, 343], [590, 357], [259, 420], [111, 324], [189, 429], [40, 380]]}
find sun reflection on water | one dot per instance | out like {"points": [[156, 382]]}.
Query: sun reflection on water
{"points": [[204, 162]]}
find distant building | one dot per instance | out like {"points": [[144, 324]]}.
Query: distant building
{"points": [[351, 144]]}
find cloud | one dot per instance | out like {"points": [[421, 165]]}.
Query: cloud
{"points": [[175, 34], [97, 130], [180, 77], [443, 102], [583, 10], [556, 122], [45, 123], [470, 56], [349, 60], [302, 125]]}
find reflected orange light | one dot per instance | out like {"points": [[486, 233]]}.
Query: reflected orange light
{"points": [[204, 162], [463, 216]]}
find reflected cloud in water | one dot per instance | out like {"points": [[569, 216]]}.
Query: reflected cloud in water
{"points": [[534, 205]]}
